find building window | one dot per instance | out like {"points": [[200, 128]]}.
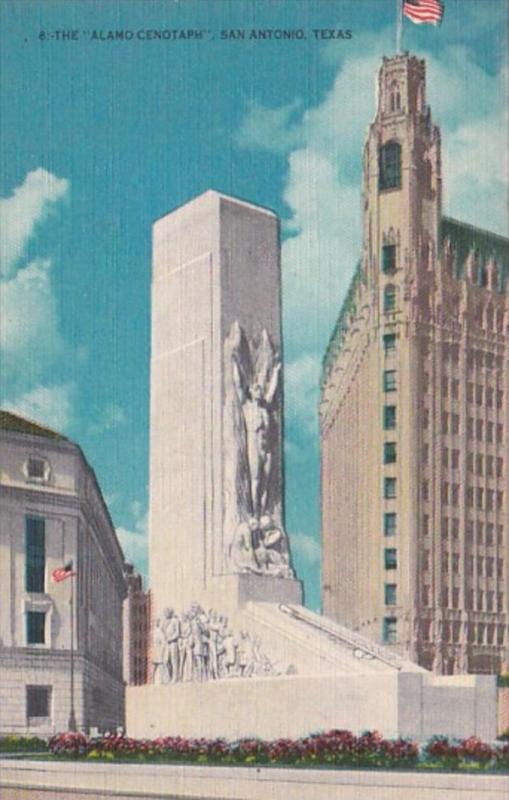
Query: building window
{"points": [[389, 166], [38, 700], [389, 380], [389, 298], [389, 342], [36, 468], [390, 629], [34, 554], [389, 452], [455, 459], [489, 534], [390, 558], [389, 488], [390, 594], [480, 497], [389, 417], [35, 621], [479, 430], [390, 520], [388, 258], [455, 597]]}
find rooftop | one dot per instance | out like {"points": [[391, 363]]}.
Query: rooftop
{"points": [[17, 424], [465, 237]]}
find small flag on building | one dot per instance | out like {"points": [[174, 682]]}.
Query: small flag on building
{"points": [[420, 11], [61, 573]]}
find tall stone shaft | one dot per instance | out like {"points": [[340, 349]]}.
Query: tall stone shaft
{"points": [[215, 450]]}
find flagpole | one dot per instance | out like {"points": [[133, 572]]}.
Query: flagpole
{"points": [[399, 24], [72, 714]]}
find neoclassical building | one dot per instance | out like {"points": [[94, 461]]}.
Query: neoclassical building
{"points": [[51, 513], [414, 414]]}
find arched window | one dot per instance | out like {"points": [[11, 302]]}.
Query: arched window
{"points": [[395, 103], [389, 166]]}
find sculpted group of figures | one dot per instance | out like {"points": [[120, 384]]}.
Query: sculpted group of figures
{"points": [[200, 646], [261, 547]]}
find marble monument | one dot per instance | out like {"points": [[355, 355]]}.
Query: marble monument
{"points": [[234, 652]]}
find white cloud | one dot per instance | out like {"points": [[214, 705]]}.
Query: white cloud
{"points": [[20, 214], [30, 339], [29, 330], [49, 405], [306, 548], [272, 129], [112, 417], [481, 141], [134, 540]]}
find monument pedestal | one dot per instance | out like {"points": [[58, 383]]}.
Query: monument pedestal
{"points": [[325, 677], [228, 594]]}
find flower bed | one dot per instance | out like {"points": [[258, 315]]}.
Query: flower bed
{"points": [[332, 748]]}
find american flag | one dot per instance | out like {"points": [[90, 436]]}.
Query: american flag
{"points": [[61, 573], [420, 11]]}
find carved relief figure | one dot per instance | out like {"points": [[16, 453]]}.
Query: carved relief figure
{"points": [[252, 447], [172, 633], [256, 401], [159, 668]]}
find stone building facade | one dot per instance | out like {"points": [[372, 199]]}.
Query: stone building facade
{"points": [[137, 626], [52, 513], [414, 415]]}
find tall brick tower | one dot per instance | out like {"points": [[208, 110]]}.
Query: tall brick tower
{"points": [[414, 411]]}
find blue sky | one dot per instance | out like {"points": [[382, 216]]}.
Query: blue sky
{"points": [[99, 138]]}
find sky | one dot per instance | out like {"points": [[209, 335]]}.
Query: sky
{"points": [[100, 137]]}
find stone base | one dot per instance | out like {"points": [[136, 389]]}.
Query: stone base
{"points": [[329, 677], [396, 704]]}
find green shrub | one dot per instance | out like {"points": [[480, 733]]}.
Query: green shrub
{"points": [[22, 744]]}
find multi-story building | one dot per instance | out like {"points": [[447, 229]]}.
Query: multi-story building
{"points": [[52, 513], [136, 616], [414, 413]]}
